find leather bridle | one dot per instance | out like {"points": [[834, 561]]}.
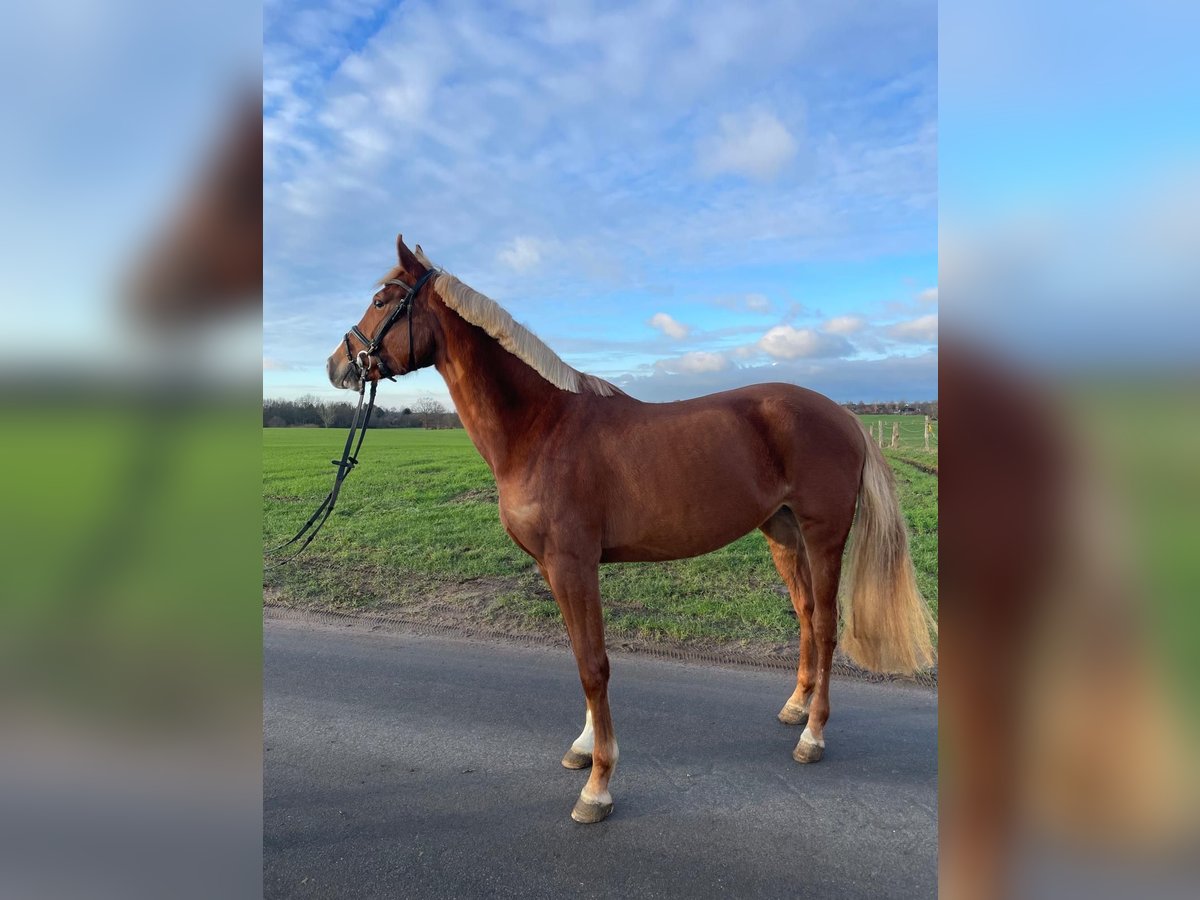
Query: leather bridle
{"points": [[369, 355], [362, 361]]}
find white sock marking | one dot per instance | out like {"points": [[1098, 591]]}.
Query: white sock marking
{"points": [[586, 741]]}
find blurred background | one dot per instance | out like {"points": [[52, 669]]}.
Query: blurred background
{"points": [[1068, 183], [130, 632]]}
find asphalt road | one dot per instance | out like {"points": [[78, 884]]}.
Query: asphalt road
{"points": [[408, 766]]}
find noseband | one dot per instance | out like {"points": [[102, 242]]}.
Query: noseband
{"points": [[369, 355], [362, 361]]}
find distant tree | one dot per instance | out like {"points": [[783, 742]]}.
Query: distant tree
{"points": [[328, 413], [429, 406]]}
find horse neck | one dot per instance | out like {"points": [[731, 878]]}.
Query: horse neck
{"points": [[498, 397]]}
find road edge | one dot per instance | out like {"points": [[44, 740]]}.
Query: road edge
{"points": [[374, 622]]}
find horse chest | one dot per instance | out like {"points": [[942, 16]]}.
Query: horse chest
{"points": [[522, 518]]}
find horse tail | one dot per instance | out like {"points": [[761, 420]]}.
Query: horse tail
{"points": [[887, 625]]}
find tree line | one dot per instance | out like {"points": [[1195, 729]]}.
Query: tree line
{"points": [[310, 412], [895, 408]]}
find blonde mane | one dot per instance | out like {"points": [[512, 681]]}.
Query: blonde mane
{"points": [[514, 337]]}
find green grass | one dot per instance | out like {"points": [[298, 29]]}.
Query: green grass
{"points": [[128, 554], [912, 430], [417, 531]]}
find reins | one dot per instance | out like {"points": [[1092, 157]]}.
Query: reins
{"points": [[344, 465], [362, 361]]}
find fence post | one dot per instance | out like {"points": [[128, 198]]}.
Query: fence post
{"points": [[927, 432], [881, 434], [895, 435]]}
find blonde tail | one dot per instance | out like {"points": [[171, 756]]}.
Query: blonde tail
{"points": [[887, 624]]}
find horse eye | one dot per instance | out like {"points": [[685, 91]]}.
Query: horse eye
{"points": [[379, 303]]}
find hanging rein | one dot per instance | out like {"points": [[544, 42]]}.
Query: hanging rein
{"points": [[362, 361]]}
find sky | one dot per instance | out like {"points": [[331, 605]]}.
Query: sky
{"points": [[679, 197], [1069, 178], [110, 108]]}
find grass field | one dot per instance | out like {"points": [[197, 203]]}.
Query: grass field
{"points": [[911, 440], [417, 532], [126, 551]]}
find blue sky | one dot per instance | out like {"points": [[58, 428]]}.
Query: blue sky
{"points": [[681, 197], [110, 109], [1070, 184]]}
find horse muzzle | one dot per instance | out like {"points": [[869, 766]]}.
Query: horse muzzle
{"points": [[343, 374]]}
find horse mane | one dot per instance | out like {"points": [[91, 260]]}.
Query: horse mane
{"points": [[486, 313]]}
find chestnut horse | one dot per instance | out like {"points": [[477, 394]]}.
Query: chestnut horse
{"points": [[205, 261], [587, 474]]}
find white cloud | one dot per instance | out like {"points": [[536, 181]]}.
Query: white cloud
{"points": [[522, 255], [669, 326], [695, 363], [788, 342], [890, 378], [929, 295], [845, 324], [923, 330], [349, 125], [273, 365], [755, 144]]}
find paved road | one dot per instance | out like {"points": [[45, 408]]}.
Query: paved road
{"points": [[406, 766]]}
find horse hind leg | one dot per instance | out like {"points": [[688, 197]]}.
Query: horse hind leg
{"points": [[824, 542], [787, 550]]}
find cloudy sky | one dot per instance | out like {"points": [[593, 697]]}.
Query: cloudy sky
{"points": [[680, 197]]}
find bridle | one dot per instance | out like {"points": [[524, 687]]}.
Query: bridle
{"points": [[362, 361], [369, 355]]}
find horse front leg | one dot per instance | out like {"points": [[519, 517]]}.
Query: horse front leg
{"points": [[579, 755], [575, 581]]}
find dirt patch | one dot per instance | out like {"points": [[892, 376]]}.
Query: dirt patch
{"points": [[484, 603], [475, 608], [469, 603], [927, 468], [487, 494]]}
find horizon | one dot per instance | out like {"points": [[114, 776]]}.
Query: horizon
{"points": [[450, 408]]}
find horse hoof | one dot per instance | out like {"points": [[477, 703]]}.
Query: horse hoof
{"points": [[793, 715], [809, 749], [576, 760], [590, 811]]}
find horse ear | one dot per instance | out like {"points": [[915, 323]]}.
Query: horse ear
{"points": [[407, 260]]}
